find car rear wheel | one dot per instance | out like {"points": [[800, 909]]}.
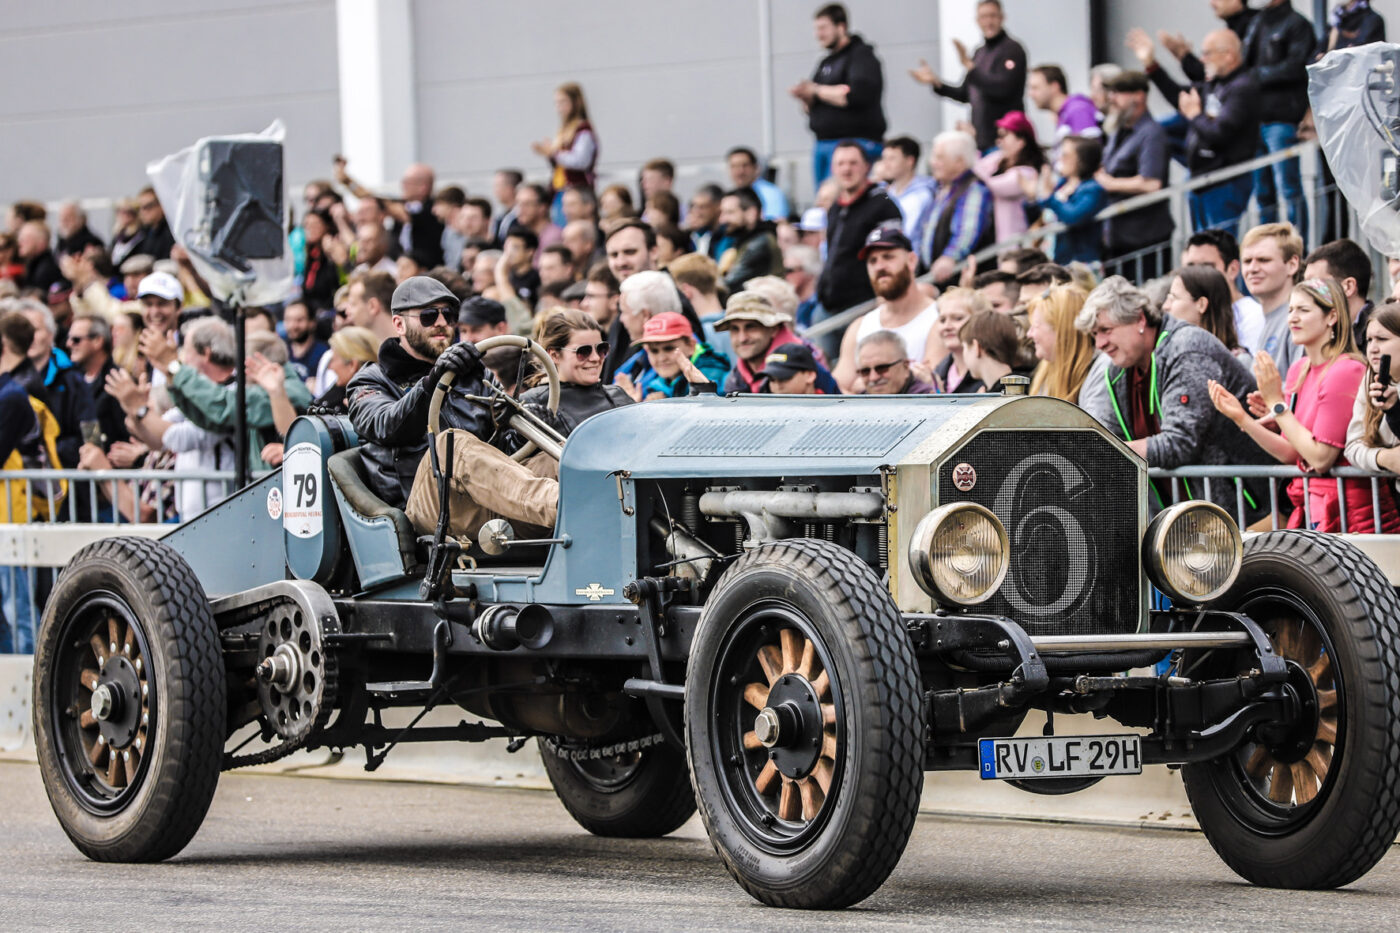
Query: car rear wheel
{"points": [[1314, 803], [639, 794], [804, 728], [129, 701]]}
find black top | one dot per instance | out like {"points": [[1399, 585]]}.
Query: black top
{"points": [[863, 117], [844, 281], [1226, 132], [995, 85], [578, 403], [1278, 43], [1140, 149]]}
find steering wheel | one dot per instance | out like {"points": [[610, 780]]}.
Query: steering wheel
{"points": [[490, 343]]}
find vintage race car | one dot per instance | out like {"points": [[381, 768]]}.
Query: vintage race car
{"points": [[783, 610]]}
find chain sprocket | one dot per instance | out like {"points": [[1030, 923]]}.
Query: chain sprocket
{"points": [[297, 677]]}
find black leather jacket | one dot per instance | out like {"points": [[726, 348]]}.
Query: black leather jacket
{"points": [[578, 403], [389, 410]]}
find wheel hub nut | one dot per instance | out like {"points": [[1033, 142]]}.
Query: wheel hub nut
{"points": [[104, 702], [282, 670], [767, 727]]}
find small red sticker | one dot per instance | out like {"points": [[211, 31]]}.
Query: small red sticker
{"points": [[1185, 399]]}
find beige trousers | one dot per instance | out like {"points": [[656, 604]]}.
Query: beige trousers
{"points": [[486, 484]]}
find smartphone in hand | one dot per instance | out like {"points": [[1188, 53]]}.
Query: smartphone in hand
{"points": [[1383, 376]]}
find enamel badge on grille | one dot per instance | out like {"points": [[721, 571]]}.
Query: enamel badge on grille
{"points": [[964, 476]]}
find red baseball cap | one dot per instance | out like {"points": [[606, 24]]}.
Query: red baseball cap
{"points": [[665, 326]]}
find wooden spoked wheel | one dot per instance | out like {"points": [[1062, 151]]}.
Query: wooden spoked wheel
{"points": [[1293, 775], [107, 703], [791, 668]]}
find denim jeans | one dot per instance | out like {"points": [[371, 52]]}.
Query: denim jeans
{"points": [[823, 148], [1285, 176], [1219, 207], [17, 627]]}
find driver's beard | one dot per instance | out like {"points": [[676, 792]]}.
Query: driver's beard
{"points": [[420, 341], [895, 288]]}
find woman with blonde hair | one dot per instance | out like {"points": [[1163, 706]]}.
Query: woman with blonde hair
{"points": [[956, 307], [573, 152], [1068, 360], [1312, 409]]}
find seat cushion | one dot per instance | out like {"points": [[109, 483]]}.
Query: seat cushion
{"points": [[347, 471]]}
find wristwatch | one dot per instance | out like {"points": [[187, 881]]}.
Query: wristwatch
{"points": [[173, 368], [142, 412], [1279, 409]]}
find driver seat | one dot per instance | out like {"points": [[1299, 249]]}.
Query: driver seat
{"points": [[382, 539]]}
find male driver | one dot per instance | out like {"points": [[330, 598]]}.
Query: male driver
{"points": [[842, 99], [890, 262], [860, 207], [1348, 263], [756, 329], [1216, 248], [389, 409], [791, 369], [960, 221], [1272, 254], [367, 304], [996, 75], [743, 173]]}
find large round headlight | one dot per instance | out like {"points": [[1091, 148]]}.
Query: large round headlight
{"points": [[959, 553], [1192, 551]]}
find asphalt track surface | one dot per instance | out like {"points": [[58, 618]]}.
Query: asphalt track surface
{"points": [[290, 853]]}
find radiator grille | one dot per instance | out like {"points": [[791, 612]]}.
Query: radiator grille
{"points": [[1069, 501]]}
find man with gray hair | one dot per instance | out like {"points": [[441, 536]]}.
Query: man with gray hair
{"points": [[645, 294], [960, 220], [1158, 400], [90, 349]]}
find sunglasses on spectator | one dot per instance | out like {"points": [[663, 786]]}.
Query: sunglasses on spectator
{"points": [[879, 369], [587, 350], [79, 338], [342, 312], [428, 317]]}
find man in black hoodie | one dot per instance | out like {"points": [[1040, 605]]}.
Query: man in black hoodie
{"points": [[995, 83], [843, 96]]}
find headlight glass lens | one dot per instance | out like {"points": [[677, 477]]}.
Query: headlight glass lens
{"points": [[1196, 551], [959, 553]]}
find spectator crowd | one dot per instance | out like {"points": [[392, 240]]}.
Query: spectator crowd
{"points": [[1243, 349]]}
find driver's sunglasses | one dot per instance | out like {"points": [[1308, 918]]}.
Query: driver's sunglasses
{"points": [[878, 369], [586, 351], [428, 317]]}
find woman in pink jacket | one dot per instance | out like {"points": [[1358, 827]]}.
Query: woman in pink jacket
{"points": [[1016, 156]]}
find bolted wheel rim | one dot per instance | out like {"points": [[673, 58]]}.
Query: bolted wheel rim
{"points": [[104, 702], [778, 727], [1285, 774]]}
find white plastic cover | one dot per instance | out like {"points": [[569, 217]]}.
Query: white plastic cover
{"points": [[176, 180], [1354, 99]]}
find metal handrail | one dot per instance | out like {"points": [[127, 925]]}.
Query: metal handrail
{"points": [[1281, 472], [1135, 203], [163, 475]]}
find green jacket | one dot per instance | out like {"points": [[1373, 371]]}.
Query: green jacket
{"points": [[210, 406]]}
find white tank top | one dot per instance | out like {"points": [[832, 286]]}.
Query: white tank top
{"points": [[914, 333]]}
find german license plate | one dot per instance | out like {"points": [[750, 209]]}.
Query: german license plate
{"points": [[1059, 756]]}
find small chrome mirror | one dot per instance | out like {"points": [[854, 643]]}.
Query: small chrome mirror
{"points": [[495, 537]]}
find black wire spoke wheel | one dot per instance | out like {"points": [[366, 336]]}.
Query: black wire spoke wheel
{"points": [[803, 725], [642, 794], [1313, 802], [129, 701]]}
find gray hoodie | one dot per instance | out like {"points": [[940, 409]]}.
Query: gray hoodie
{"points": [[1192, 432]]}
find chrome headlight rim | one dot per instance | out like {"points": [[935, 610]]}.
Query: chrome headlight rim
{"points": [[1154, 543], [921, 556]]}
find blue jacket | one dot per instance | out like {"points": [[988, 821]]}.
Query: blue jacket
{"points": [[638, 367], [1084, 240]]}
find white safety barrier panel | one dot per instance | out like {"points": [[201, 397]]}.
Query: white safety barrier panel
{"points": [[16, 735], [54, 545]]}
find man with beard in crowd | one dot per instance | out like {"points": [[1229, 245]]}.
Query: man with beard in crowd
{"points": [[904, 310], [303, 349], [843, 99], [755, 251]]}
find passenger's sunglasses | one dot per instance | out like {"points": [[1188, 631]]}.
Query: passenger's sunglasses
{"points": [[428, 317], [587, 350], [879, 369]]}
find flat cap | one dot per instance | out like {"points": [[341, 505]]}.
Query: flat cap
{"points": [[419, 291]]}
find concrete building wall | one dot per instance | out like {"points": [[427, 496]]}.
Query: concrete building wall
{"points": [[95, 89]]}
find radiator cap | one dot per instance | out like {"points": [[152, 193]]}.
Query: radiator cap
{"points": [[1015, 385]]}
